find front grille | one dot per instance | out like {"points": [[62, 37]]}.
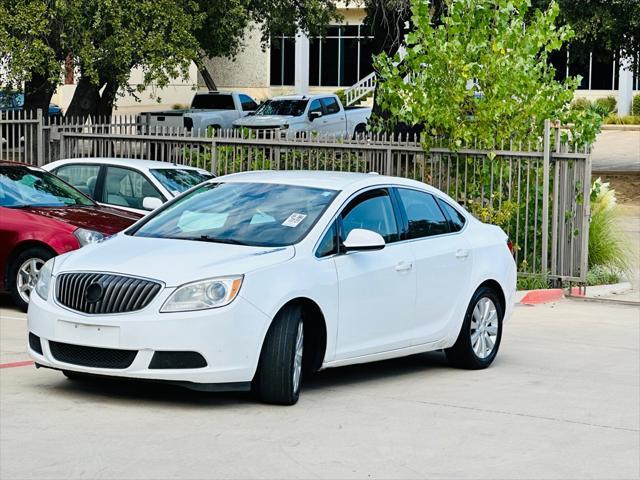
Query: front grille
{"points": [[100, 293], [34, 343], [92, 356]]}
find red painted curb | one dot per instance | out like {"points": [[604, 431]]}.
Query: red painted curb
{"points": [[536, 297], [24, 363]]}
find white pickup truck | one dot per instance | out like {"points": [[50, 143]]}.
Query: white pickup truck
{"points": [[217, 110], [311, 114]]}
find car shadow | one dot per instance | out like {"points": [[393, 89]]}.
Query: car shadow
{"points": [[144, 393]]}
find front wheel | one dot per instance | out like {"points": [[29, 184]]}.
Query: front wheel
{"points": [[23, 274], [479, 338], [279, 372]]}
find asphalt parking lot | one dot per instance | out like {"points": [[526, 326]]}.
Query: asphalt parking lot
{"points": [[562, 400]]}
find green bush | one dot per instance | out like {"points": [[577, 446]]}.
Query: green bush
{"points": [[603, 275], [580, 104], [615, 119], [635, 107], [533, 282], [608, 244], [605, 106]]}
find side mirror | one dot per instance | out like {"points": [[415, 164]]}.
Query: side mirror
{"points": [[151, 203], [315, 114], [360, 239]]}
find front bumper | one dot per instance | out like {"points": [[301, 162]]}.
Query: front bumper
{"points": [[229, 339]]}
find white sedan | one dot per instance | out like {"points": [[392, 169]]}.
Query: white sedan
{"points": [[130, 184], [249, 280]]}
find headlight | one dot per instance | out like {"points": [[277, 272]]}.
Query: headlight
{"points": [[204, 294], [85, 237], [44, 279]]}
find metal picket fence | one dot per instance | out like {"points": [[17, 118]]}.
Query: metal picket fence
{"points": [[538, 193]]}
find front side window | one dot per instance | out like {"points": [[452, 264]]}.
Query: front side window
{"points": [[127, 188], [423, 214], [83, 177], [330, 105], [372, 210], [329, 243], [258, 214], [456, 219], [29, 187], [315, 106], [178, 180]]}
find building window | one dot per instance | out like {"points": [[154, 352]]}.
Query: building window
{"points": [[283, 55], [598, 69], [341, 57]]}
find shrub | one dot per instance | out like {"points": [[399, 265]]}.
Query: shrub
{"points": [[608, 245], [605, 106], [603, 275], [533, 282], [581, 104], [635, 107], [615, 119]]}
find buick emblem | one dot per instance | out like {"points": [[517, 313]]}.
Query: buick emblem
{"points": [[93, 293]]}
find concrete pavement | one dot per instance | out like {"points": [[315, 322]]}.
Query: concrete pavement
{"points": [[617, 151], [562, 400]]}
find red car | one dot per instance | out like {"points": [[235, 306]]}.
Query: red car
{"points": [[41, 216]]}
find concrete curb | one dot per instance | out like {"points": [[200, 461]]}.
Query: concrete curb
{"points": [[548, 295]]}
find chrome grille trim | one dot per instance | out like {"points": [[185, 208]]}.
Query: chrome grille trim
{"points": [[120, 293]]}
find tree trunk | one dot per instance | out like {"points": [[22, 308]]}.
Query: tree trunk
{"points": [[85, 101], [108, 99], [208, 79], [37, 93]]}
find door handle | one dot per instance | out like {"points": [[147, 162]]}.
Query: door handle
{"points": [[403, 267], [462, 254]]}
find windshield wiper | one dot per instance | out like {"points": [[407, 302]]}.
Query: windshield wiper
{"points": [[207, 238]]}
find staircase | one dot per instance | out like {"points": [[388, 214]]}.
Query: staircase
{"points": [[360, 90]]}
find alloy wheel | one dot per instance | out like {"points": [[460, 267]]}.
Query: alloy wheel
{"points": [[484, 328], [297, 360], [28, 277]]}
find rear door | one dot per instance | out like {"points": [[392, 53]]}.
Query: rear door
{"points": [[126, 188], [334, 120], [443, 263], [82, 176]]}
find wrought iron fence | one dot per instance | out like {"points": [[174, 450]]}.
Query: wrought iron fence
{"points": [[539, 194]]}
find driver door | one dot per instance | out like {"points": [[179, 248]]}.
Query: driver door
{"points": [[376, 289]]}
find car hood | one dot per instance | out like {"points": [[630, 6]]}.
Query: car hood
{"points": [[101, 219], [171, 261], [263, 120]]}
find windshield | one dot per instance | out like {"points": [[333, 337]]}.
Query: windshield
{"points": [[22, 186], [283, 107], [178, 180], [259, 214]]}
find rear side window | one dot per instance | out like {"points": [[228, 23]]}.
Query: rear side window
{"points": [[213, 101], [456, 219], [248, 105], [83, 177], [330, 105], [424, 217]]}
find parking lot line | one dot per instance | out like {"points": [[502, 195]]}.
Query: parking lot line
{"points": [[23, 363]]}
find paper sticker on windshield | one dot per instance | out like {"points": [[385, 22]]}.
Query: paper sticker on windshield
{"points": [[294, 220]]}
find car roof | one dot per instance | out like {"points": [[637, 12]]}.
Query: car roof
{"points": [[320, 179], [303, 97], [126, 162]]}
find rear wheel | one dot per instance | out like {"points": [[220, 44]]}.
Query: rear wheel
{"points": [[23, 274], [279, 372], [479, 338]]}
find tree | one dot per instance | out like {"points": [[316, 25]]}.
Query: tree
{"points": [[481, 75]]}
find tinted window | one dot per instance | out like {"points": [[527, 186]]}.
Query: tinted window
{"points": [[248, 105], [456, 219], [282, 107], [260, 214], [83, 177], [330, 105], [315, 106], [213, 101], [27, 187], [372, 210], [328, 245], [127, 188], [177, 180], [423, 214]]}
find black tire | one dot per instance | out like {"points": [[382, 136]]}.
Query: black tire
{"points": [[360, 130], [274, 380], [462, 353], [41, 255]]}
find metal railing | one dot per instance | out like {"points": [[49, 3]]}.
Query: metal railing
{"points": [[539, 194], [360, 90]]}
